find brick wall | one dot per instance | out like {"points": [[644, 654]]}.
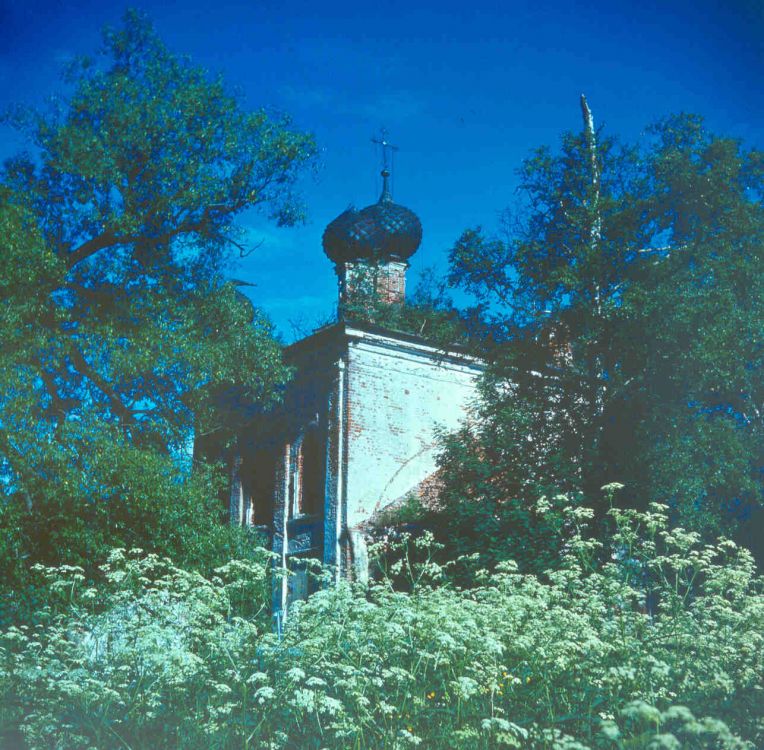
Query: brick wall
{"points": [[387, 279]]}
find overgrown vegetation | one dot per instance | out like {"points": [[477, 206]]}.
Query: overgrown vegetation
{"points": [[651, 641], [428, 312]]}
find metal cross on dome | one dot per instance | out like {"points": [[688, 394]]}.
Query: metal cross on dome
{"points": [[387, 148]]}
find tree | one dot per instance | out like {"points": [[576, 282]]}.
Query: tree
{"points": [[121, 336], [623, 314]]}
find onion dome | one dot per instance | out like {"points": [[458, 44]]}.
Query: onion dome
{"points": [[383, 231]]}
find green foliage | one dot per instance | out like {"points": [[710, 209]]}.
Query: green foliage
{"points": [[428, 312], [489, 505], [624, 314], [121, 340], [620, 654]]}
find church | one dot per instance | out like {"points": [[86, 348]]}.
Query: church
{"points": [[356, 432]]}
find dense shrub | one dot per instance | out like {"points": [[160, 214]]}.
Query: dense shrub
{"points": [[661, 646]]}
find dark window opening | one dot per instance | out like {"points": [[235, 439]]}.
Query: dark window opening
{"points": [[312, 473], [259, 489]]}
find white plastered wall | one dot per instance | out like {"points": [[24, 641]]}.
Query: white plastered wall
{"points": [[399, 393]]}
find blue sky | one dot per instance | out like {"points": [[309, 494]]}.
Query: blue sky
{"points": [[466, 90]]}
